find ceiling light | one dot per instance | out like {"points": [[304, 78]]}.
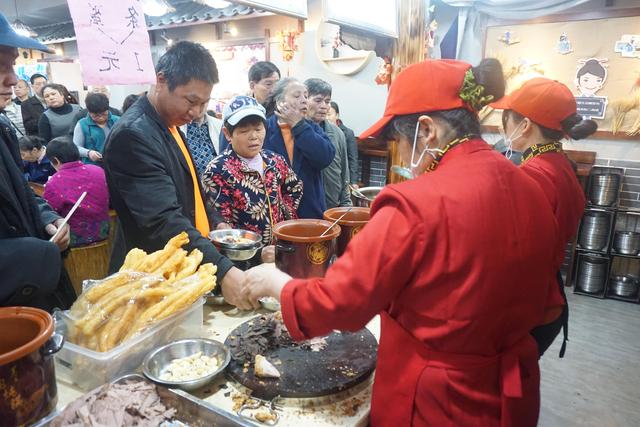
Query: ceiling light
{"points": [[59, 51], [230, 29], [167, 39], [23, 29], [19, 26], [156, 7], [216, 4]]}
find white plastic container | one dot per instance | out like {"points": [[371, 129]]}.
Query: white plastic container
{"points": [[87, 369]]}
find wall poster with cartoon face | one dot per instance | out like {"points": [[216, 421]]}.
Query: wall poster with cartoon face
{"points": [[591, 76], [597, 59]]}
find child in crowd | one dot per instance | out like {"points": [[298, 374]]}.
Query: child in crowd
{"points": [[252, 188], [90, 223], [35, 165]]}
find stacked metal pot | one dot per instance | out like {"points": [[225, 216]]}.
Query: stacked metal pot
{"points": [[592, 274], [604, 189]]}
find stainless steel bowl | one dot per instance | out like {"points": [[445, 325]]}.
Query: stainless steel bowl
{"points": [[364, 197], [236, 251], [160, 358], [269, 303], [627, 242], [624, 286]]}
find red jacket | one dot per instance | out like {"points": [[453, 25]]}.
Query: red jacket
{"points": [[553, 172], [453, 262]]}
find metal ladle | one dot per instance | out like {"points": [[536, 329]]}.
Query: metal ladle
{"points": [[336, 221]]}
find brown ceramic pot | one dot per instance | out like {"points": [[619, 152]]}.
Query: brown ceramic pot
{"points": [[27, 378], [300, 251], [351, 223]]}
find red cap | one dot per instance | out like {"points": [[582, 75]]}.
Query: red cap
{"points": [[546, 102], [431, 85]]}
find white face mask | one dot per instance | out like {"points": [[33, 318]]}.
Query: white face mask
{"points": [[508, 140], [409, 173]]}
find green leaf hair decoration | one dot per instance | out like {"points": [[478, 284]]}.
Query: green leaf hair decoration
{"points": [[472, 92]]}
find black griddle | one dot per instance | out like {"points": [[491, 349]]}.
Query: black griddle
{"points": [[348, 359]]}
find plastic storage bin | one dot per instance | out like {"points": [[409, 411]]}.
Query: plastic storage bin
{"points": [[87, 369]]}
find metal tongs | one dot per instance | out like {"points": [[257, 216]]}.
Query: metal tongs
{"points": [[255, 403]]}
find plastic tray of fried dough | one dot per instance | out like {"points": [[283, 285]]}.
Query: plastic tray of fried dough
{"points": [[154, 299]]}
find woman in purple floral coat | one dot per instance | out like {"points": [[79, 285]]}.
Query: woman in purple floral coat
{"points": [[252, 188]]}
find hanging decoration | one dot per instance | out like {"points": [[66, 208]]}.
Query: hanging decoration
{"points": [[591, 76], [509, 38], [287, 41], [430, 38], [564, 45], [628, 46], [384, 73]]}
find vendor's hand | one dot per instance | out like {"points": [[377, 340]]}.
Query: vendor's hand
{"points": [[268, 254], [63, 238], [289, 114], [265, 280], [223, 226], [95, 156], [233, 289]]}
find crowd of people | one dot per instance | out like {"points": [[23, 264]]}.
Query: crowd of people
{"points": [[461, 262], [294, 114]]}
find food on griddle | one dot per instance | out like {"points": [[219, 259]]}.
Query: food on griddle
{"points": [[263, 417], [264, 369], [264, 332], [134, 403], [147, 288], [190, 368]]}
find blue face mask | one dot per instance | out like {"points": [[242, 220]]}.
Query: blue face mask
{"points": [[515, 156], [410, 173]]}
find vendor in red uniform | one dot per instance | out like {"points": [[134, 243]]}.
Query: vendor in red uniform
{"points": [[535, 118], [452, 261]]}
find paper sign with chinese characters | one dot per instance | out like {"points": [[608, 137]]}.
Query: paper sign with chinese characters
{"points": [[112, 41]]}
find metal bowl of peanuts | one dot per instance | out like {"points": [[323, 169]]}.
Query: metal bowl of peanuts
{"points": [[187, 364]]}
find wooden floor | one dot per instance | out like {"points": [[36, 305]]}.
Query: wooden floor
{"points": [[597, 383]]}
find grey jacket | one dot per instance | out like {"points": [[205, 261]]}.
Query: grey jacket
{"points": [[336, 176]]}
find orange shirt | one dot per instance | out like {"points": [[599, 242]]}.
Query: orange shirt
{"points": [[202, 222], [287, 136]]}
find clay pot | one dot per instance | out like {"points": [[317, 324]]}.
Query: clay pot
{"points": [[351, 223], [300, 251], [27, 345]]}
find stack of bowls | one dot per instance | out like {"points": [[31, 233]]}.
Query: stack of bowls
{"points": [[595, 231], [604, 189], [592, 274], [623, 286], [627, 242]]}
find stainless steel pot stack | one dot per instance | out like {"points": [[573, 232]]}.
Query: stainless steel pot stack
{"points": [[623, 286], [627, 242], [604, 189], [592, 274], [594, 233]]}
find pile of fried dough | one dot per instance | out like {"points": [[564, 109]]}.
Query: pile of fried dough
{"points": [[147, 289]]}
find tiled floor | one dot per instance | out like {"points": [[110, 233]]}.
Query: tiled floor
{"points": [[597, 383]]}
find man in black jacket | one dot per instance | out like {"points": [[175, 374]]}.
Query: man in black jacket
{"points": [[151, 176], [31, 271], [34, 106]]}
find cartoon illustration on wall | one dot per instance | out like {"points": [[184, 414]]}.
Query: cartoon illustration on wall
{"points": [[509, 38], [590, 78], [628, 46], [564, 45]]}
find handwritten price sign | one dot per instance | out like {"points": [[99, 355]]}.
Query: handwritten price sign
{"points": [[112, 41]]}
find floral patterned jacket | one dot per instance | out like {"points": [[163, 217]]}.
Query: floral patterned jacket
{"points": [[238, 192]]}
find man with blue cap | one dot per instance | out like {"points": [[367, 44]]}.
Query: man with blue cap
{"points": [[30, 265]]}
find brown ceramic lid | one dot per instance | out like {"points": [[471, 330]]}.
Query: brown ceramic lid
{"points": [[305, 230], [356, 216], [24, 330]]}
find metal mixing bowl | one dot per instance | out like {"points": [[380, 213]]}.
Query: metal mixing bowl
{"points": [[364, 196], [160, 358], [236, 251]]}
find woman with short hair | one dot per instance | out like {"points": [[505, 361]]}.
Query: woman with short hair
{"points": [[59, 116], [91, 132]]}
